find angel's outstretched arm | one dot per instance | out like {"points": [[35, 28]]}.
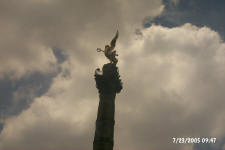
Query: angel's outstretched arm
{"points": [[113, 42]]}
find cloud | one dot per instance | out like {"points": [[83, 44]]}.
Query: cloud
{"points": [[173, 87], [31, 29], [33, 32], [178, 75], [38, 35], [173, 77], [179, 12]]}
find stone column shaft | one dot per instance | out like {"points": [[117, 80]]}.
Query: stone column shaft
{"points": [[104, 132], [108, 85]]}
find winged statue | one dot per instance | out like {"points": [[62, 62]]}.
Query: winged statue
{"points": [[109, 51]]}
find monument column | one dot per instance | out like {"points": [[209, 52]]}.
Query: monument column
{"points": [[108, 84]]}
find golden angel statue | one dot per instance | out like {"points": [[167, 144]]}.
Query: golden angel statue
{"points": [[109, 51]]}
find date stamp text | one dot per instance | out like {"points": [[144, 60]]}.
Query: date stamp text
{"points": [[191, 140]]}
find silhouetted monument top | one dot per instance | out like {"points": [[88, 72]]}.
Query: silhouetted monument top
{"points": [[109, 79], [108, 84]]}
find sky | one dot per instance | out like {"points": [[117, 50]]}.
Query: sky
{"points": [[171, 62]]}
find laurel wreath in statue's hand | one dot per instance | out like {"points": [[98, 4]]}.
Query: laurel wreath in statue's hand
{"points": [[99, 50]]}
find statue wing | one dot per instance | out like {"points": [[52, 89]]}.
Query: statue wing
{"points": [[113, 42]]}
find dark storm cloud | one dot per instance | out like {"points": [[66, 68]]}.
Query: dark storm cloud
{"points": [[209, 13]]}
